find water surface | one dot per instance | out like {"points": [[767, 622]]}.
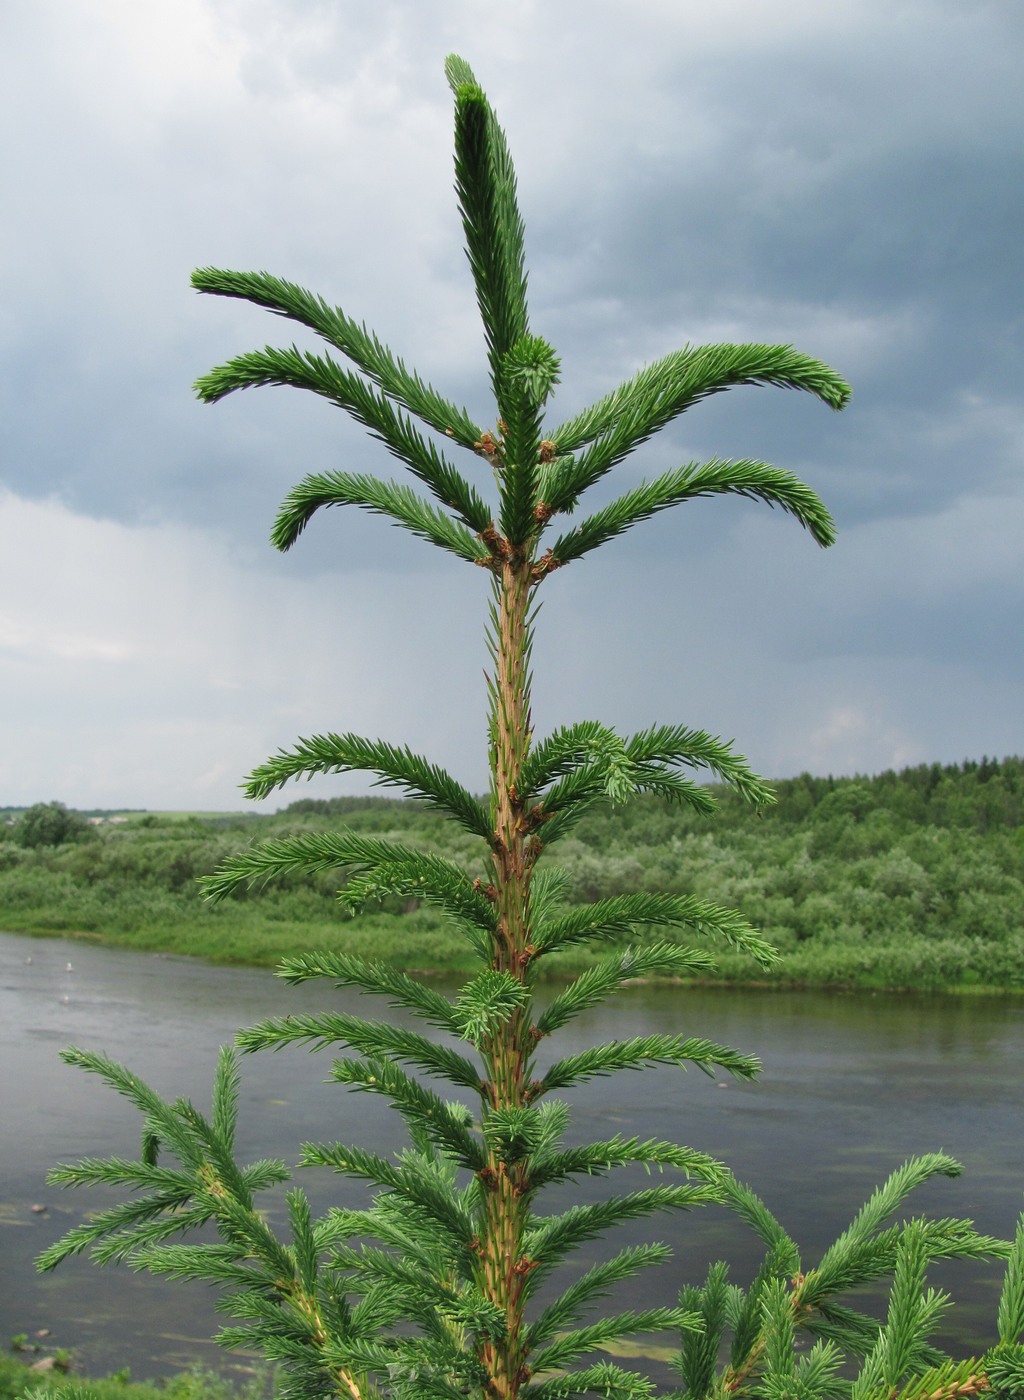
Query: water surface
{"points": [[851, 1085]]}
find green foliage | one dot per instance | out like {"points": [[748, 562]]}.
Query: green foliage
{"points": [[447, 1283], [755, 480], [354, 341], [346, 753], [902, 880], [18, 1380], [403, 506], [765, 1323], [486, 185], [50, 824]]}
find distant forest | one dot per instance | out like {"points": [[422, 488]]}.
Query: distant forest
{"points": [[911, 880], [982, 795]]}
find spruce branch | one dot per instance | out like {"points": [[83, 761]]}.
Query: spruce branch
{"points": [[699, 1346], [816, 1376], [595, 1283], [529, 373], [588, 763], [643, 1050], [755, 480], [408, 1230], [550, 1238], [746, 1315], [863, 1254], [868, 1259], [407, 1179], [225, 1099], [115, 1233], [219, 1176], [621, 916], [548, 889], [606, 977], [486, 1003], [374, 1039], [572, 1345], [565, 806], [749, 1207], [533, 369], [630, 414], [873, 1214], [307, 1263], [961, 1380], [550, 1121], [433, 877], [598, 751], [608, 1381], [395, 767], [360, 345], [460, 1302], [511, 1133], [159, 1115], [616, 778], [779, 1332], [388, 498], [854, 1332], [695, 748], [1011, 1297], [568, 748], [901, 1349], [209, 1186], [486, 186], [375, 977], [320, 375], [819, 1373], [120, 1171], [1002, 1376], [199, 1263], [599, 1158], [423, 880], [443, 1124]]}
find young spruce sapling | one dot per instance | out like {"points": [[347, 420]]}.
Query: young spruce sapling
{"points": [[436, 1288]]}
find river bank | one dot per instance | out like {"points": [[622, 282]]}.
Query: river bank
{"points": [[425, 947], [20, 1376], [904, 881]]}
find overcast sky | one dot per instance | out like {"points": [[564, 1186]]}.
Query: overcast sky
{"points": [[842, 175]]}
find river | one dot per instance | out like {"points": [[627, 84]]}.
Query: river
{"points": [[851, 1086]]}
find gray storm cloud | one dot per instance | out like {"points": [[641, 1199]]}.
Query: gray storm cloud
{"points": [[845, 178]]}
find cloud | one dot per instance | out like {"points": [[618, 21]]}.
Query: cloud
{"points": [[146, 665], [156, 665], [845, 177]]}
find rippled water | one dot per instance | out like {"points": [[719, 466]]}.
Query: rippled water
{"points": [[852, 1084]]}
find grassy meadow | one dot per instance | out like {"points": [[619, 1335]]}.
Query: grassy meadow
{"points": [[908, 880], [18, 1381]]}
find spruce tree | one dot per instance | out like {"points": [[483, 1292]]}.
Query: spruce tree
{"points": [[434, 1289]]}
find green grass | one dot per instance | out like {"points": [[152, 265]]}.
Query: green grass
{"points": [[17, 1379]]}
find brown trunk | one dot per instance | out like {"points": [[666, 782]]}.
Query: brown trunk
{"points": [[509, 1049]]}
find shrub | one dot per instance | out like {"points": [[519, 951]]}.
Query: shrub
{"points": [[50, 824]]}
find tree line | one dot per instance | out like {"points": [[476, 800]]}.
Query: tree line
{"points": [[904, 879]]}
